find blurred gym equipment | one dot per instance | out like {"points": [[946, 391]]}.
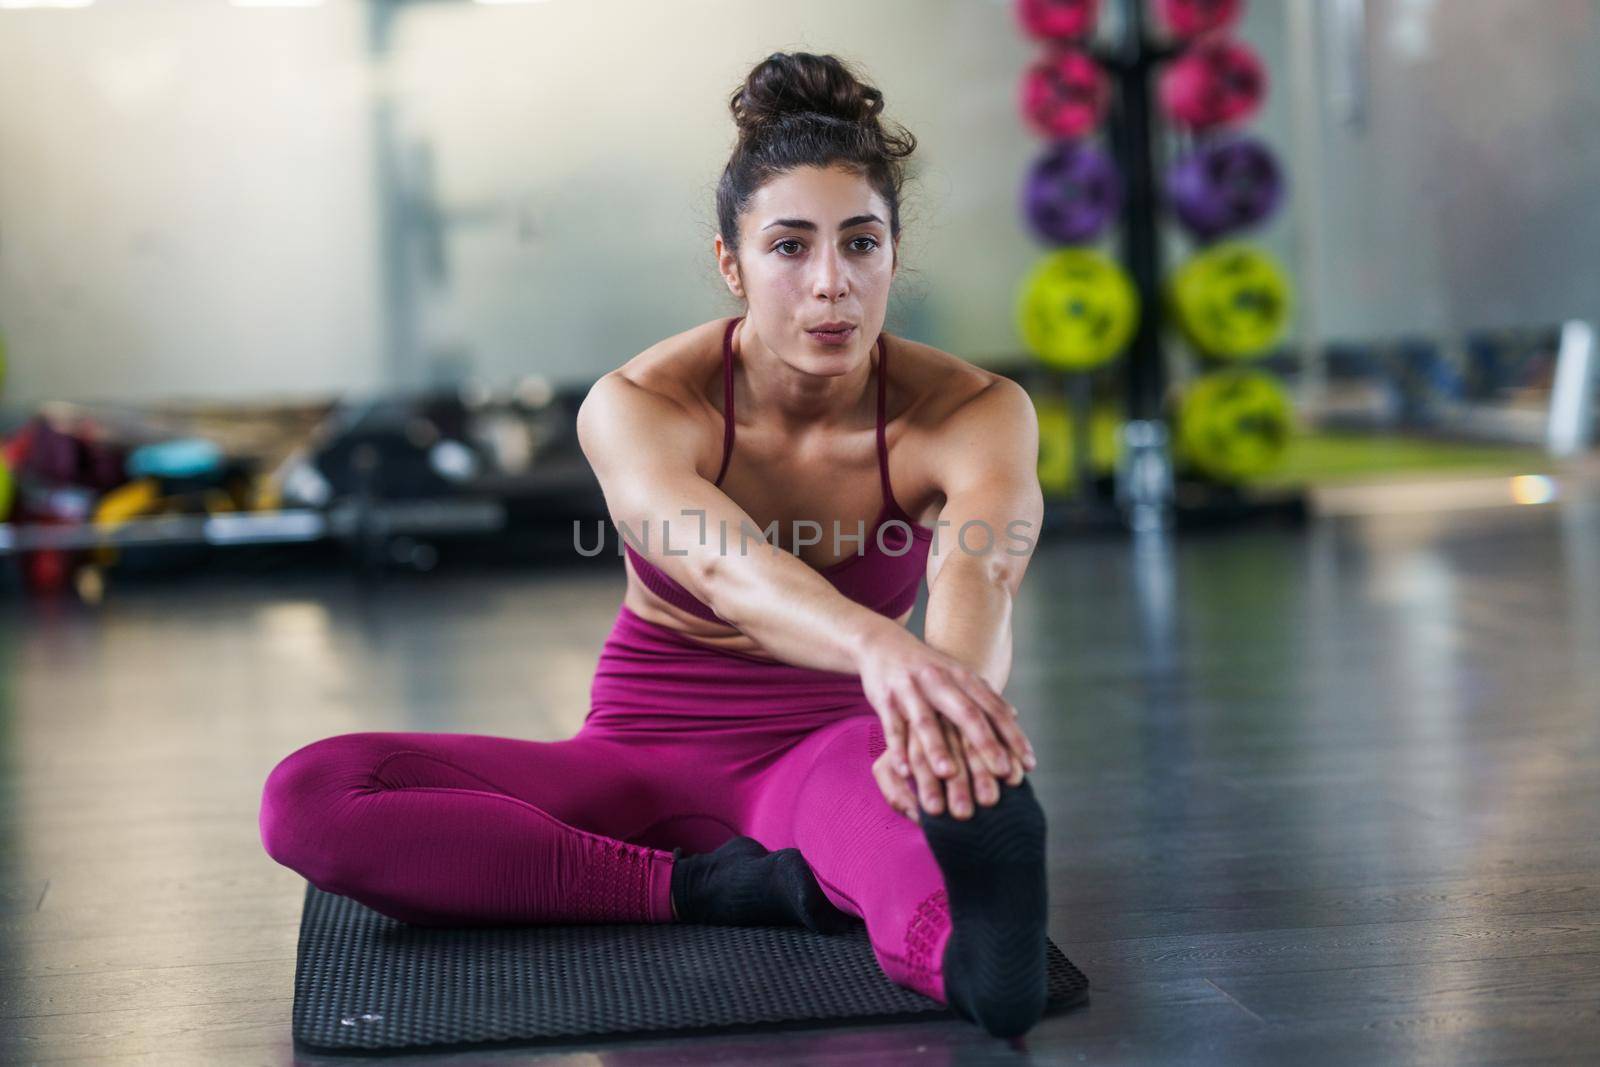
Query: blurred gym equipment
{"points": [[1234, 425], [1225, 186], [1057, 20], [1232, 301], [1077, 309], [1063, 94], [1214, 82], [1072, 193]]}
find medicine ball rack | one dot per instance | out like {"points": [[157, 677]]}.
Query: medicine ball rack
{"points": [[1147, 496]]}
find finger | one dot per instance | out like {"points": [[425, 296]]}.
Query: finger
{"points": [[1009, 727], [894, 787], [978, 727], [1017, 774], [889, 783], [1003, 718], [1016, 741], [984, 788], [954, 702], [926, 730], [894, 739], [958, 790], [929, 787]]}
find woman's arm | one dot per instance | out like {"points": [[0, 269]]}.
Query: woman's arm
{"points": [[984, 538], [987, 529], [643, 447]]}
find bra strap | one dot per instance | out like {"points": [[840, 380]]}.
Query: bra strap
{"points": [[883, 447], [727, 397]]}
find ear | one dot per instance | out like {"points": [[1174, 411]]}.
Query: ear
{"points": [[894, 260], [728, 267]]}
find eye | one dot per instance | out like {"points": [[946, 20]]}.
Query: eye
{"points": [[788, 241], [872, 243]]}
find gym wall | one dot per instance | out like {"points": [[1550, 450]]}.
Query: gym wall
{"points": [[191, 204], [1455, 165], [186, 202], [190, 200]]}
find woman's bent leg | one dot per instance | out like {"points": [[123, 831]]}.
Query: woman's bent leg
{"points": [[468, 829]]}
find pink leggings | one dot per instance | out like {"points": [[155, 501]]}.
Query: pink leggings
{"points": [[684, 746]]}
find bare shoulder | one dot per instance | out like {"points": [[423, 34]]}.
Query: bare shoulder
{"points": [[957, 418], [679, 367], [657, 399], [944, 391]]}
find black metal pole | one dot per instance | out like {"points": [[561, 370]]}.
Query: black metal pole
{"points": [[1133, 137]]}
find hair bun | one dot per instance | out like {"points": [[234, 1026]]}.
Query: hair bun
{"points": [[789, 83], [796, 109]]}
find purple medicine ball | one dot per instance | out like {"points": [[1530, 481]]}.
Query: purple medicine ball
{"points": [[1225, 186], [1072, 193]]}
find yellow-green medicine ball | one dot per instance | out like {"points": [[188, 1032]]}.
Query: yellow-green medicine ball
{"points": [[1058, 443], [1232, 301], [1077, 309], [1234, 425], [1055, 446]]}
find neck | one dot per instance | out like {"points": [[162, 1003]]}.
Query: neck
{"points": [[800, 400]]}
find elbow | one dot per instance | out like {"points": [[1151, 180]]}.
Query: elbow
{"points": [[730, 584], [1007, 574], [709, 573], [994, 570]]}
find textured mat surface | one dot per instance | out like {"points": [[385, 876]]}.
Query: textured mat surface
{"points": [[365, 981]]}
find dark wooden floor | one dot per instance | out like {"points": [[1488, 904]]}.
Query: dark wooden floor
{"points": [[1326, 796]]}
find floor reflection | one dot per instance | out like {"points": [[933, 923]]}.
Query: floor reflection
{"points": [[1283, 768]]}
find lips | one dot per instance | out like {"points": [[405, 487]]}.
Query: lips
{"points": [[832, 333]]}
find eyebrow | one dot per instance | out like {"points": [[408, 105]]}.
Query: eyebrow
{"points": [[807, 224]]}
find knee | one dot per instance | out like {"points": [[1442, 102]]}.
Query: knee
{"points": [[850, 743], [305, 797], [840, 763]]}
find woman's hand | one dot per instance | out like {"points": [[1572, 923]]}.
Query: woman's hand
{"points": [[972, 780], [957, 719]]}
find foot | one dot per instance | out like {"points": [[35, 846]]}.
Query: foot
{"points": [[742, 884], [994, 964]]}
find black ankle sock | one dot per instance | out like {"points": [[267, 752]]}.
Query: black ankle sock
{"points": [[994, 874], [742, 884]]}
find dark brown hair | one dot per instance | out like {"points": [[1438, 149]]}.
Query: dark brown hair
{"points": [[796, 109]]}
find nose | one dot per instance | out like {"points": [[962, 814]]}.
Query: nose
{"points": [[830, 282]]}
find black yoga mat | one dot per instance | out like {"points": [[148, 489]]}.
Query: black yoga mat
{"points": [[365, 981]]}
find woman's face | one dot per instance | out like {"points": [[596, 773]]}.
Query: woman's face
{"points": [[814, 251]]}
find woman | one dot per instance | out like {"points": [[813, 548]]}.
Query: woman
{"points": [[761, 717]]}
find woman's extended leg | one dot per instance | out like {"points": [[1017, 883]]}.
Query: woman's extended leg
{"points": [[870, 860], [955, 909], [463, 829]]}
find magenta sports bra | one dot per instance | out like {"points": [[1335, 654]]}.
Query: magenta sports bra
{"points": [[885, 579]]}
